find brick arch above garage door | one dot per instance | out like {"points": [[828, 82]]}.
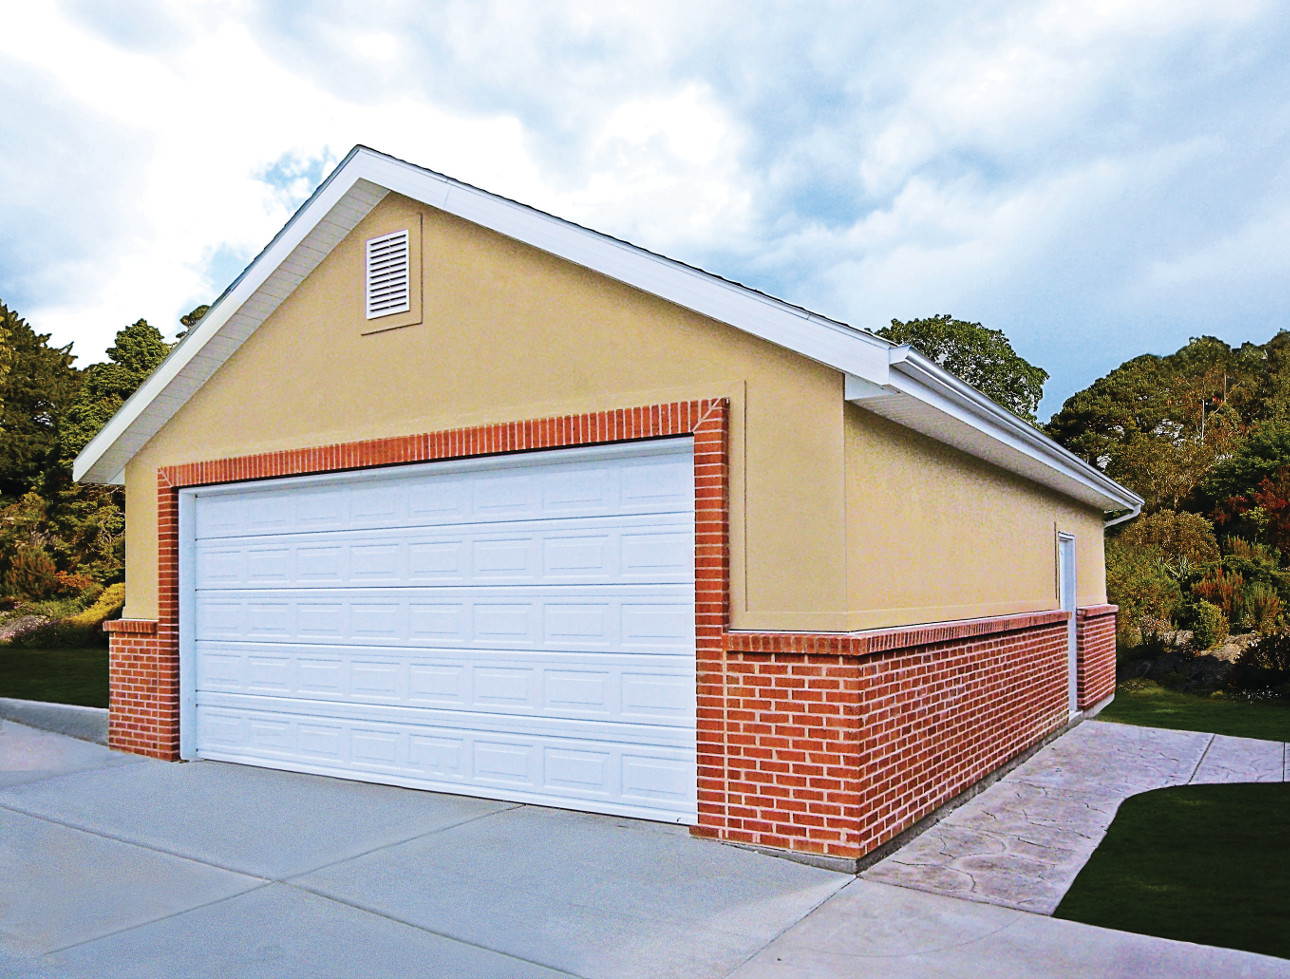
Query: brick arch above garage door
{"points": [[145, 670]]}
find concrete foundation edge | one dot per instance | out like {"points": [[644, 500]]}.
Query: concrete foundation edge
{"points": [[83, 723]]}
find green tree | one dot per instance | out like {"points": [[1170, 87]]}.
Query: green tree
{"points": [[1157, 424], [38, 387], [6, 357], [982, 357], [191, 319], [1173, 538], [105, 387]]}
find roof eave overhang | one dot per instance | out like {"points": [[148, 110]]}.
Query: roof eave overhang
{"points": [[356, 186], [920, 395], [895, 382]]}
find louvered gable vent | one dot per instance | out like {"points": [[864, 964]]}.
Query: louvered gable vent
{"points": [[388, 279]]}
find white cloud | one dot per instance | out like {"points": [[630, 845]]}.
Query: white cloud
{"points": [[1087, 168]]}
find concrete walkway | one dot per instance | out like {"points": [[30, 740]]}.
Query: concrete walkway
{"points": [[1021, 842], [115, 866]]}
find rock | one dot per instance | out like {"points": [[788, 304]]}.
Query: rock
{"points": [[20, 624]]}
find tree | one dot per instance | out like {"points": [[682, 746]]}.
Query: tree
{"points": [[1157, 424], [139, 349], [6, 356], [982, 357], [191, 319], [1171, 537], [40, 384]]}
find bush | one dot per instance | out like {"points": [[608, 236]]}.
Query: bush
{"points": [[50, 635], [1264, 667], [31, 574], [1172, 537], [1223, 590], [1262, 607], [1143, 589], [84, 628], [1209, 625]]}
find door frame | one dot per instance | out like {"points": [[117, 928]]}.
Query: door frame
{"points": [[1067, 590]]}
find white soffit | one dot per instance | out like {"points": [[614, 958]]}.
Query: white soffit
{"points": [[891, 381]]}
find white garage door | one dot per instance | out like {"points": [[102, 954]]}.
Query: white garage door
{"points": [[519, 627]]}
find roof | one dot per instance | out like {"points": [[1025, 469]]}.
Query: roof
{"points": [[894, 381]]}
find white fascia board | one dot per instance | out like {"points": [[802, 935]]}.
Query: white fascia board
{"points": [[97, 462], [948, 408], [364, 176]]}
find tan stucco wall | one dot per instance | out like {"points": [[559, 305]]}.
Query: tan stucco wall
{"points": [[825, 499], [510, 332], [934, 534]]}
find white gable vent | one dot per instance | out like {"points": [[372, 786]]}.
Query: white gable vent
{"points": [[389, 288]]}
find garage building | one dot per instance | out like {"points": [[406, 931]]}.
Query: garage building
{"points": [[449, 493]]}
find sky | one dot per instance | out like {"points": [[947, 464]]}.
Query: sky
{"points": [[1095, 179]]}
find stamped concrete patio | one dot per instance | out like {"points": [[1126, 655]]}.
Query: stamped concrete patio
{"points": [[1020, 843]]}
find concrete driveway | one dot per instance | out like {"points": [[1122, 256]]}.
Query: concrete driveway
{"points": [[117, 866]]}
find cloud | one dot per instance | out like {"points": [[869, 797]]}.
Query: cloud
{"points": [[1091, 176]]}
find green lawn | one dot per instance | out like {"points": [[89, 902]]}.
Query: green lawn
{"points": [[63, 676], [1148, 704], [1200, 863]]}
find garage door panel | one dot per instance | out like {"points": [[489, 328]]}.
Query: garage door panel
{"points": [[441, 497], [510, 723], [632, 689], [650, 550], [624, 777], [637, 618], [520, 627]]}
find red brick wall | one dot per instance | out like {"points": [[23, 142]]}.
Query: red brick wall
{"points": [[1095, 644], [143, 685], [829, 744], [144, 692], [839, 743]]}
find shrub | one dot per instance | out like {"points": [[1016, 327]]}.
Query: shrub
{"points": [[31, 574], [1223, 590], [107, 605], [84, 628], [72, 583], [1257, 553], [1143, 589], [1171, 536], [1209, 626], [49, 635], [1262, 607], [1264, 667]]}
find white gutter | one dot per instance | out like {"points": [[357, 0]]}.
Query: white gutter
{"points": [[917, 393]]}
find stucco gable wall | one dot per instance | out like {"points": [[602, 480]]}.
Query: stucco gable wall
{"points": [[509, 332], [934, 534]]}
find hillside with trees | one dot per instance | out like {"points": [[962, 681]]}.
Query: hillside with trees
{"points": [[62, 544], [1203, 435]]}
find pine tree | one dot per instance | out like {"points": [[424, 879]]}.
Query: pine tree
{"points": [[105, 387], [37, 384]]}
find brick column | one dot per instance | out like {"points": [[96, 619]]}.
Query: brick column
{"points": [[1095, 653]]}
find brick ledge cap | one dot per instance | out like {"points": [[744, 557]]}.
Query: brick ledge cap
{"points": [[136, 627], [872, 641]]}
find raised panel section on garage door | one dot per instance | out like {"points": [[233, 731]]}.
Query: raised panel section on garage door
{"points": [[518, 627]]}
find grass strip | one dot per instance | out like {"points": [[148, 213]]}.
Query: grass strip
{"points": [[1151, 705], [1199, 863], [60, 676]]}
